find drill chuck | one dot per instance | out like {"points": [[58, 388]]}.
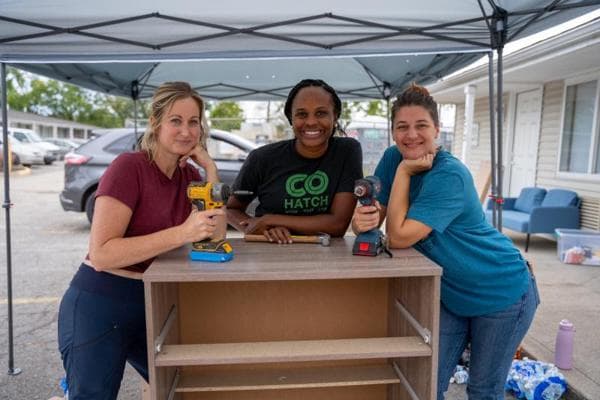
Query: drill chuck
{"points": [[367, 189], [361, 190]]}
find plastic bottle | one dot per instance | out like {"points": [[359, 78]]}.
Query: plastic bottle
{"points": [[563, 351]]}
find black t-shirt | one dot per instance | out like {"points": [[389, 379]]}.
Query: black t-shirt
{"points": [[287, 183]]}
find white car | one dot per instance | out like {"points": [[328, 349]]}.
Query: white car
{"points": [[28, 154], [51, 151]]}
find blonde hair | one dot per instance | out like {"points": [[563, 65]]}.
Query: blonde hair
{"points": [[162, 101]]}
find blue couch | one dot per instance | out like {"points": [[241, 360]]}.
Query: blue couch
{"points": [[539, 211]]}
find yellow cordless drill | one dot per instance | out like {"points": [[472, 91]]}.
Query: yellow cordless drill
{"points": [[206, 196]]}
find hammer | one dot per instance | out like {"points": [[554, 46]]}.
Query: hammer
{"points": [[321, 238]]}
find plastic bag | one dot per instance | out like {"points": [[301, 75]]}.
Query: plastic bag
{"points": [[535, 380]]}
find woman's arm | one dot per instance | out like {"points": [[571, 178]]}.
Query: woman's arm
{"points": [[201, 157], [403, 232], [108, 249], [236, 215], [334, 223]]}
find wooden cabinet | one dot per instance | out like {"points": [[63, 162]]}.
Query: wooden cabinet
{"points": [[298, 321]]}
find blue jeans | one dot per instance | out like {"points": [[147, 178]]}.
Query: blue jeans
{"points": [[97, 334], [494, 340]]}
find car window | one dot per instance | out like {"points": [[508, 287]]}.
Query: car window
{"points": [[222, 150], [21, 137], [121, 145]]}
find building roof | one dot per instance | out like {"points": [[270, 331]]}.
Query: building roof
{"points": [[40, 119]]}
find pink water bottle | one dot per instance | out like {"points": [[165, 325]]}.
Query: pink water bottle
{"points": [[563, 351]]}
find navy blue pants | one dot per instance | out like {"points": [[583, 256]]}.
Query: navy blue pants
{"points": [[101, 325]]}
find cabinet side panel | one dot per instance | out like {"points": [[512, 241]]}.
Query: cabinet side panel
{"points": [[420, 296], [160, 298]]}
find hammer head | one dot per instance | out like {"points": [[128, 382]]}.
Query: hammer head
{"points": [[324, 239]]}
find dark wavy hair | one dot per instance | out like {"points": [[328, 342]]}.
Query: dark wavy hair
{"points": [[337, 103], [416, 95]]}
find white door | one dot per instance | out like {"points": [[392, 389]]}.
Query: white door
{"points": [[525, 141]]}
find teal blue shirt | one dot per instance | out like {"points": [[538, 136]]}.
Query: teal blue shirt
{"points": [[483, 272]]}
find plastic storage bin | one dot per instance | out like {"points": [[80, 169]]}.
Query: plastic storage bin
{"points": [[576, 246]]}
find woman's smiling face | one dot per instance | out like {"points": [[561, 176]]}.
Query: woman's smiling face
{"points": [[415, 132], [313, 120], [180, 128]]}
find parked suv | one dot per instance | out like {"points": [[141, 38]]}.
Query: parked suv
{"points": [[86, 164]]}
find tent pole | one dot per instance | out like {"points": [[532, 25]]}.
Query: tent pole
{"points": [[135, 94], [386, 95], [6, 205], [498, 33], [492, 134], [389, 121], [135, 117], [499, 197]]}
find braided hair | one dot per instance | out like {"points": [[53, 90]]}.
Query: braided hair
{"points": [[337, 103]]}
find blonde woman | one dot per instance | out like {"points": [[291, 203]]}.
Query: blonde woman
{"points": [[141, 211]]}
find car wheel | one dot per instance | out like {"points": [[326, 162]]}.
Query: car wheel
{"points": [[89, 206]]}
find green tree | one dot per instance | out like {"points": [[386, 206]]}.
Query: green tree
{"points": [[226, 115], [26, 92]]}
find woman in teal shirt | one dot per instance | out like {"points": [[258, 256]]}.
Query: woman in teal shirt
{"points": [[488, 295]]}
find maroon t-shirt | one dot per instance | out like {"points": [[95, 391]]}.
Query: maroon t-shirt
{"points": [[157, 202]]}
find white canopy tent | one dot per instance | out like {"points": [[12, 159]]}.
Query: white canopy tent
{"points": [[258, 50]]}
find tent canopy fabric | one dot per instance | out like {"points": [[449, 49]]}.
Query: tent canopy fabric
{"points": [[258, 50]]}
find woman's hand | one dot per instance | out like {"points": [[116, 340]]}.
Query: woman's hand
{"points": [[257, 225], [201, 225], [278, 234], [413, 167], [366, 218], [201, 157]]}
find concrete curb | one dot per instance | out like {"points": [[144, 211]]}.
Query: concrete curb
{"points": [[18, 171]]}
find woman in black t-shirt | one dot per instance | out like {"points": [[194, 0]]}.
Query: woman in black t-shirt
{"points": [[304, 185]]}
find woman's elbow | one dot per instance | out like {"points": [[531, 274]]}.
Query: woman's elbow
{"points": [[338, 229], [97, 261], [400, 242]]}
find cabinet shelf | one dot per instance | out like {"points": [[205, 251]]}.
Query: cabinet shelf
{"points": [[291, 351], [288, 378]]}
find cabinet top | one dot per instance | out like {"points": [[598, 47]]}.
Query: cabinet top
{"points": [[298, 261]]}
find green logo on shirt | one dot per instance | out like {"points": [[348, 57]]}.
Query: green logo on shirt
{"points": [[306, 192]]}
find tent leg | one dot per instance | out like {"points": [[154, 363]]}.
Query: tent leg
{"points": [[389, 121], [527, 243], [500, 116], [492, 137], [6, 205]]}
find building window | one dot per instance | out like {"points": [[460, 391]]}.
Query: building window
{"points": [[45, 131], [23, 125], [63, 132], [580, 139], [78, 133]]}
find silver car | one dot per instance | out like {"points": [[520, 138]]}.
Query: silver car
{"points": [[85, 165], [27, 153]]}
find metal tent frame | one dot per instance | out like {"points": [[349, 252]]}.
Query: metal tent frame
{"points": [[114, 56]]}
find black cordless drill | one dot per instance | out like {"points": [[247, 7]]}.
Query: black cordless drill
{"points": [[372, 242]]}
